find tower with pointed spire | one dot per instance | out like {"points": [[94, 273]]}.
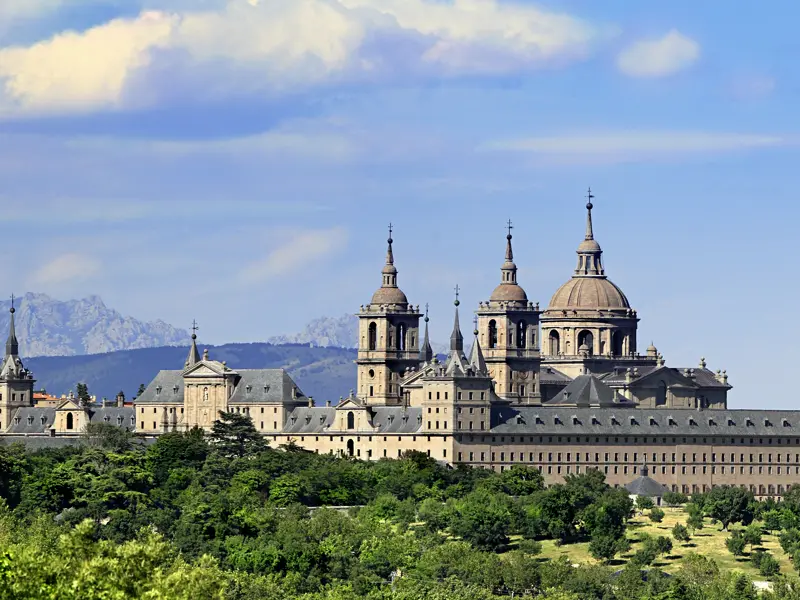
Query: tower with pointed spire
{"points": [[508, 330], [16, 382], [388, 339], [589, 325]]}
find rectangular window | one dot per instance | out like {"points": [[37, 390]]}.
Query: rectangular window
{"points": [[483, 456]]}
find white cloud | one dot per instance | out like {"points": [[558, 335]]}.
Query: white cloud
{"points": [[66, 268], [294, 253], [269, 47], [629, 146], [659, 57]]}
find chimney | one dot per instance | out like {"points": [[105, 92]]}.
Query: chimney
{"points": [[120, 400], [328, 403], [310, 402]]}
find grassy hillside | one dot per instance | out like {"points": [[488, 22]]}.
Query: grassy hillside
{"points": [[709, 542], [324, 373]]}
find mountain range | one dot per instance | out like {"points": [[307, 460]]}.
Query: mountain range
{"points": [[49, 327]]}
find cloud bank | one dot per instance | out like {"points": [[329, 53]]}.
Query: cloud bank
{"points": [[277, 46], [659, 57]]}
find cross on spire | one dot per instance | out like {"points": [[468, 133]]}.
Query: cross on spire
{"points": [[590, 197], [510, 227], [12, 300], [458, 290], [195, 328], [475, 324], [391, 229]]}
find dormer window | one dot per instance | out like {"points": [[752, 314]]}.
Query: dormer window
{"points": [[538, 420], [692, 422], [158, 390], [520, 420], [786, 423], [119, 420], [44, 419], [30, 419], [17, 420], [133, 420], [614, 420], [595, 420], [767, 423], [575, 420], [248, 388], [391, 418], [175, 389], [634, 421], [557, 420], [748, 422], [266, 389], [294, 419], [712, 423], [731, 422], [672, 422], [653, 422], [308, 419], [322, 420], [106, 418]]}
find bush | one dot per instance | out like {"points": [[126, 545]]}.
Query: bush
{"points": [[644, 503], [752, 534], [736, 544], [680, 533], [656, 515], [675, 498], [530, 547], [789, 540], [768, 566], [756, 556], [772, 520]]}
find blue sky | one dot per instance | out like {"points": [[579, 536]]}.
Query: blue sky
{"points": [[238, 161]]}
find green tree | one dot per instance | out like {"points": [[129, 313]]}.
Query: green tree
{"points": [[605, 547], [729, 505], [234, 435], [176, 450], [789, 540], [675, 498], [482, 518], [695, 521], [656, 515], [435, 514], [82, 392], [772, 520], [140, 391], [680, 533], [752, 534], [521, 480], [108, 437], [736, 544], [644, 503]]}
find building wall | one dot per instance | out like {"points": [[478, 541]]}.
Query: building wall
{"points": [[13, 394], [368, 446]]}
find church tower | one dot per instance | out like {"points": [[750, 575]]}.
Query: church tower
{"points": [[589, 324], [388, 339], [508, 327], [16, 382]]}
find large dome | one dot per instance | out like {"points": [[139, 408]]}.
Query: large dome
{"points": [[389, 295], [588, 293], [508, 292]]}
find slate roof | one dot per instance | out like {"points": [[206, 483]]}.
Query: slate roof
{"points": [[271, 386], [387, 420], [588, 390], [27, 420], [566, 420], [551, 375], [702, 377], [646, 486]]}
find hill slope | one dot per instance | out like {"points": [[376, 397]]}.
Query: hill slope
{"points": [[324, 373]]}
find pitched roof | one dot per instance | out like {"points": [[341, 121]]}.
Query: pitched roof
{"points": [[386, 419], [646, 486], [588, 390]]}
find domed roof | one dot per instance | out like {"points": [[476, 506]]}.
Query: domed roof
{"points": [[508, 292], [589, 293], [389, 295]]}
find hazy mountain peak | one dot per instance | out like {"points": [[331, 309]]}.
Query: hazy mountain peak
{"points": [[50, 327]]}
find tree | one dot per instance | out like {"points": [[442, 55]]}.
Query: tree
{"points": [[736, 544], [605, 547], [675, 498], [434, 514], [729, 505], [483, 519], [772, 520], [234, 435], [789, 540], [140, 391], [108, 437], [766, 564], [752, 534], [680, 533], [656, 515], [82, 391], [644, 503], [521, 480], [695, 521]]}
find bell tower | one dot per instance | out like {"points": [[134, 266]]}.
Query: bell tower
{"points": [[508, 329], [16, 382], [388, 339]]}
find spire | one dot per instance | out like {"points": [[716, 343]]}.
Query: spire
{"points": [[194, 355], [589, 207], [509, 290], [590, 254], [509, 269], [389, 254], [12, 345], [476, 360], [389, 293], [456, 339], [426, 352]]}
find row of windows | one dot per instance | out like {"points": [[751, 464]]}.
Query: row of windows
{"points": [[617, 440], [14, 397], [654, 457], [460, 395], [238, 409]]}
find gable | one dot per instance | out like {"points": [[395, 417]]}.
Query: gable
{"points": [[68, 404], [203, 369], [666, 374], [350, 403]]}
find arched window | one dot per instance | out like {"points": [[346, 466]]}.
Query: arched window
{"points": [[373, 336], [492, 334], [522, 335], [617, 339], [351, 420], [401, 337], [555, 343], [70, 423], [661, 394], [586, 337], [350, 448]]}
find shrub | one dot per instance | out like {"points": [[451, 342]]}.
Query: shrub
{"points": [[736, 544], [530, 547], [789, 540], [656, 515], [769, 565], [752, 534], [680, 533], [675, 498], [644, 503]]}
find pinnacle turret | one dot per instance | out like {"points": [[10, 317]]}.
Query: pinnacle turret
{"points": [[12, 345], [194, 355], [426, 351]]}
